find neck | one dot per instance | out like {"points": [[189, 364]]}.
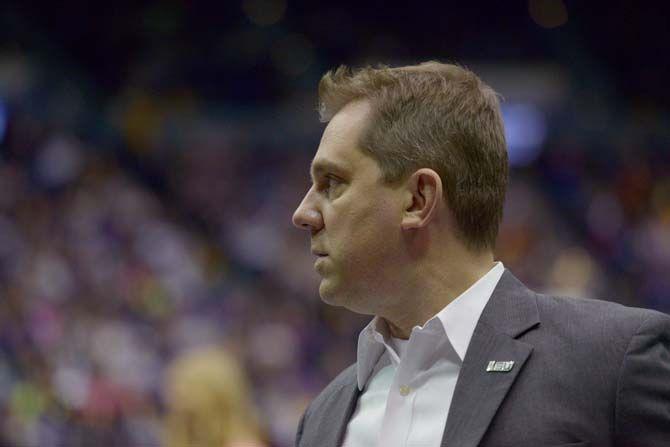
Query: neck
{"points": [[433, 286]]}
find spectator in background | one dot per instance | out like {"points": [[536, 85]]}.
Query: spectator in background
{"points": [[209, 402]]}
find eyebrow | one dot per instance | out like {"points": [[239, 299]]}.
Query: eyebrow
{"points": [[320, 166]]}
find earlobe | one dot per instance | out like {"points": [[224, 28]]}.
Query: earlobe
{"points": [[410, 223]]}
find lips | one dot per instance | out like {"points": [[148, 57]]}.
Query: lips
{"points": [[320, 260]]}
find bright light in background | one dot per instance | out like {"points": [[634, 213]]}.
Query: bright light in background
{"points": [[525, 130], [528, 91]]}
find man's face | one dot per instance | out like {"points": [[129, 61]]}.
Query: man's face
{"points": [[352, 217]]}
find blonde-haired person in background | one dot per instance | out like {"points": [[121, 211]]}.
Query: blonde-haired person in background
{"points": [[208, 402]]}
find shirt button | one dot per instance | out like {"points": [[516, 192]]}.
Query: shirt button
{"points": [[404, 390]]}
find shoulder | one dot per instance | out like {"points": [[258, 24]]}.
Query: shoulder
{"points": [[598, 322], [598, 313]]}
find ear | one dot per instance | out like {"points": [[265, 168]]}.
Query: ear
{"points": [[423, 196]]}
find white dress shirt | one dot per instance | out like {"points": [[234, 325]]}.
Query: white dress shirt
{"points": [[407, 385]]}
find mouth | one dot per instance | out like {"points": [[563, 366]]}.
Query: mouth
{"points": [[320, 260]]}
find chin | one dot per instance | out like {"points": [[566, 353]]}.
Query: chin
{"points": [[326, 295], [329, 295], [340, 298]]}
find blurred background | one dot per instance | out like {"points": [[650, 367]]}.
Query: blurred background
{"points": [[152, 154]]}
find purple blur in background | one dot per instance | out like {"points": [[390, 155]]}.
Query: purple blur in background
{"points": [[151, 157]]}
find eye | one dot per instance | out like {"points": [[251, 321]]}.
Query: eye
{"points": [[329, 184]]}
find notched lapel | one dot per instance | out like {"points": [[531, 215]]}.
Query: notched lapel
{"points": [[510, 312], [479, 393]]}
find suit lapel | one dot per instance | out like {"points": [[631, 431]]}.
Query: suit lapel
{"points": [[511, 311], [336, 416], [478, 393]]}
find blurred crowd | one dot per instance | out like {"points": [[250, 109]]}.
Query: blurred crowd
{"points": [[133, 233]]}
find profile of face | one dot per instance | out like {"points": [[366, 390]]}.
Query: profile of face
{"points": [[353, 219]]}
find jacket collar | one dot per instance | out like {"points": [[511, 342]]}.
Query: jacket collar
{"points": [[511, 312]]}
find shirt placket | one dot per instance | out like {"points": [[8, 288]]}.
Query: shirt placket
{"points": [[400, 402], [398, 414]]}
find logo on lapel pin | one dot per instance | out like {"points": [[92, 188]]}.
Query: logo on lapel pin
{"points": [[495, 366]]}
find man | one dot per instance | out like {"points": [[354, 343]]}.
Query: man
{"points": [[408, 189]]}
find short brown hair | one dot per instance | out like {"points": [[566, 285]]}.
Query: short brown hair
{"points": [[438, 116]]}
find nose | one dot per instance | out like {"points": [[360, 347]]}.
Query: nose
{"points": [[306, 217]]}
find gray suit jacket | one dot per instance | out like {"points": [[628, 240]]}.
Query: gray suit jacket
{"points": [[586, 373]]}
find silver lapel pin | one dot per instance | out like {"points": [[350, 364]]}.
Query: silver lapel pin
{"points": [[495, 366]]}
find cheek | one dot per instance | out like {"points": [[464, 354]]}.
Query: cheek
{"points": [[370, 232]]}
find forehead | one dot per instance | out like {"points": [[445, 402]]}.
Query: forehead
{"points": [[338, 150]]}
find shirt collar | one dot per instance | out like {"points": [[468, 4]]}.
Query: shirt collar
{"points": [[459, 319], [371, 345]]}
